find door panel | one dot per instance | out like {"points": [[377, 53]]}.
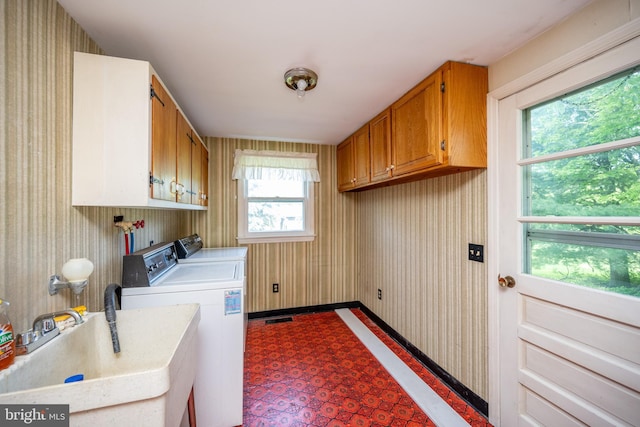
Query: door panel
{"points": [[569, 355], [163, 154], [183, 165], [416, 127]]}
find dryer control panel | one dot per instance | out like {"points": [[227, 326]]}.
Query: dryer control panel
{"points": [[144, 267]]}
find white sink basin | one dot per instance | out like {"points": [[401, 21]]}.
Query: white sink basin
{"points": [[147, 383]]}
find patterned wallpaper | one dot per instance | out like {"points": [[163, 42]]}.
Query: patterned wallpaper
{"points": [[40, 229], [309, 273], [408, 240], [412, 244]]}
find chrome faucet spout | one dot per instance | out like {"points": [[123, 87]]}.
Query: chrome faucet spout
{"points": [[37, 323], [110, 313]]}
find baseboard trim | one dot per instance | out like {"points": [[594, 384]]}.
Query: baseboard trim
{"points": [[304, 310], [464, 392]]}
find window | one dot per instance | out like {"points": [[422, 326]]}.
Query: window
{"points": [[581, 177], [275, 196]]}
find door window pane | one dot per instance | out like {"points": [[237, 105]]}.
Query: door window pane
{"points": [[598, 184], [569, 181], [602, 257], [603, 112]]}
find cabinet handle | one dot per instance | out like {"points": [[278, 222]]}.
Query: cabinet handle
{"points": [[173, 187], [392, 167]]}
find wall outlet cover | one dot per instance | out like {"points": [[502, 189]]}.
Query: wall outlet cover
{"points": [[476, 252]]}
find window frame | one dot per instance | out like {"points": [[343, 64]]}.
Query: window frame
{"points": [[306, 235]]}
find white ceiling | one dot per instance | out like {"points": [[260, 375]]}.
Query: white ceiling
{"points": [[224, 60]]}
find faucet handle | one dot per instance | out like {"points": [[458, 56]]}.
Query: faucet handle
{"points": [[44, 325]]}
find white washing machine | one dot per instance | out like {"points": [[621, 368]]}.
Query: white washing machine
{"points": [[153, 277], [190, 250]]}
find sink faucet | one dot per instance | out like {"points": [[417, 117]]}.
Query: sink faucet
{"points": [[44, 329], [110, 312], [40, 323]]}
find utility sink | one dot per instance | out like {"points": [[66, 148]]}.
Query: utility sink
{"points": [[147, 383]]}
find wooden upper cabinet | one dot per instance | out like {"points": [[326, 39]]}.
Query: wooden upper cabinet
{"points": [[163, 143], [196, 170], [361, 156], [203, 194], [416, 127], [353, 160], [465, 118], [182, 186], [380, 146], [437, 128], [345, 165], [193, 165]]}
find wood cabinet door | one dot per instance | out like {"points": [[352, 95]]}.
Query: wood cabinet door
{"points": [[184, 138], [345, 165], [163, 143], [204, 176], [380, 146], [361, 166], [196, 170], [416, 127]]}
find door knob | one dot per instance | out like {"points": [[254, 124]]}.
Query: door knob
{"points": [[506, 282]]}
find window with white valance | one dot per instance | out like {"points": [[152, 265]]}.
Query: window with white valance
{"points": [[275, 166], [275, 195]]}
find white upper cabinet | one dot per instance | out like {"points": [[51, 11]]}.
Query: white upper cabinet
{"points": [[125, 140]]}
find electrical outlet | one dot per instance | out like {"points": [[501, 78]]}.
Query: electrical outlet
{"points": [[275, 288], [379, 293], [476, 252]]}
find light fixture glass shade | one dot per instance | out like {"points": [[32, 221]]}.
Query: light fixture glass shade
{"points": [[301, 85], [301, 80], [77, 270]]}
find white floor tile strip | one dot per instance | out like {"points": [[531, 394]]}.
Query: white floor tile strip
{"points": [[428, 400]]}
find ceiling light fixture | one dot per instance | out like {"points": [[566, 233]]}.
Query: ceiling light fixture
{"points": [[301, 80]]}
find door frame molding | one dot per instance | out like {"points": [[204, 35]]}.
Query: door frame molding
{"points": [[600, 45]]}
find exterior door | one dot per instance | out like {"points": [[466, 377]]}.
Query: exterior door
{"points": [[568, 353]]}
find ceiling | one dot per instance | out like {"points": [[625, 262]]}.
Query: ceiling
{"points": [[224, 60]]}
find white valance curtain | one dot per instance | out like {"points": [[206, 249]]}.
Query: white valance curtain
{"points": [[275, 165]]}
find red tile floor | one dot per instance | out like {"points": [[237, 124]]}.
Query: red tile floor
{"points": [[313, 371]]}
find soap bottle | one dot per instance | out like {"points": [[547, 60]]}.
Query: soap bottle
{"points": [[7, 344]]}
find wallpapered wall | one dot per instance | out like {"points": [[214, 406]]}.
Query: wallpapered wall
{"points": [[40, 229], [409, 240], [412, 244], [309, 273]]}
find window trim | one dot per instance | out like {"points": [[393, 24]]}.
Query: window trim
{"points": [[306, 235]]}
